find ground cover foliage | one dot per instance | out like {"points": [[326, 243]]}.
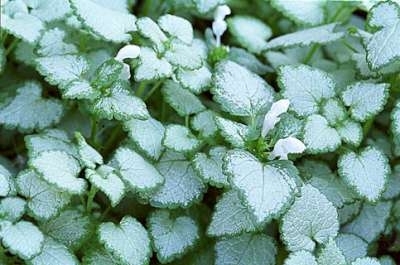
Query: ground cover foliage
{"points": [[199, 132]]}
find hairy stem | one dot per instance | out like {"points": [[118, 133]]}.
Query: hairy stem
{"points": [[153, 89], [89, 203], [311, 53]]}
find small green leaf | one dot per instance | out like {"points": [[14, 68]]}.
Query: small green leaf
{"points": [[120, 103], [110, 24], [331, 254], [351, 132], [107, 73], [288, 126], [334, 189], [12, 208], [177, 27], [365, 99], [250, 32], [88, 155], [204, 123], [52, 43], [231, 216], [70, 228], [23, 239], [184, 56], [365, 171], [182, 100], [248, 60], [62, 69], [234, 133], [172, 235], [267, 189], [106, 179], [348, 212], [99, 256], [370, 222], [205, 6], [301, 257], [54, 253], [306, 37], [50, 140], [333, 111], [239, 91], [180, 139], [150, 30], [319, 221], [352, 246], [196, 81], [14, 20], [319, 137], [151, 66], [182, 186], [140, 175], [43, 200], [129, 241], [245, 249], [28, 111], [308, 12], [366, 261], [6, 182], [383, 46], [49, 10], [209, 167], [393, 184], [147, 136], [305, 87], [60, 169]]}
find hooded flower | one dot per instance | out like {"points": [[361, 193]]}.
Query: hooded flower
{"points": [[219, 25], [127, 52], [285, 146], [272, 116]]}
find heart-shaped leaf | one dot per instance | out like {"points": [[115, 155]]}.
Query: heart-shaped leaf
{"points": [[267, 189]]}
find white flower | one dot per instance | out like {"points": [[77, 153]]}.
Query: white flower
{"points": [[221, 12], [219, 25], [272, 116], [127, 52], [289, 145]]}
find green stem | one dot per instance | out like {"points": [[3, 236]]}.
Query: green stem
{"points": [[163, 112], [187, 121], [349, 46], [3, 36], [310, 53], [93, 132], [104, 214], [140, 90], [89, 203], [114, 136], [153, 89], [11, 46], [367, 126]]}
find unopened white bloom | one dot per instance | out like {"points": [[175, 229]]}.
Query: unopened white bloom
{"points": [[289, 145], [127, 52], [272, 116], [126, 72], [219, 25], [221, 12]]}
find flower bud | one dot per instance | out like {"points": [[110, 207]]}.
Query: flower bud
{"points": [[272, 116], [289, 145], [128, 52]]}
